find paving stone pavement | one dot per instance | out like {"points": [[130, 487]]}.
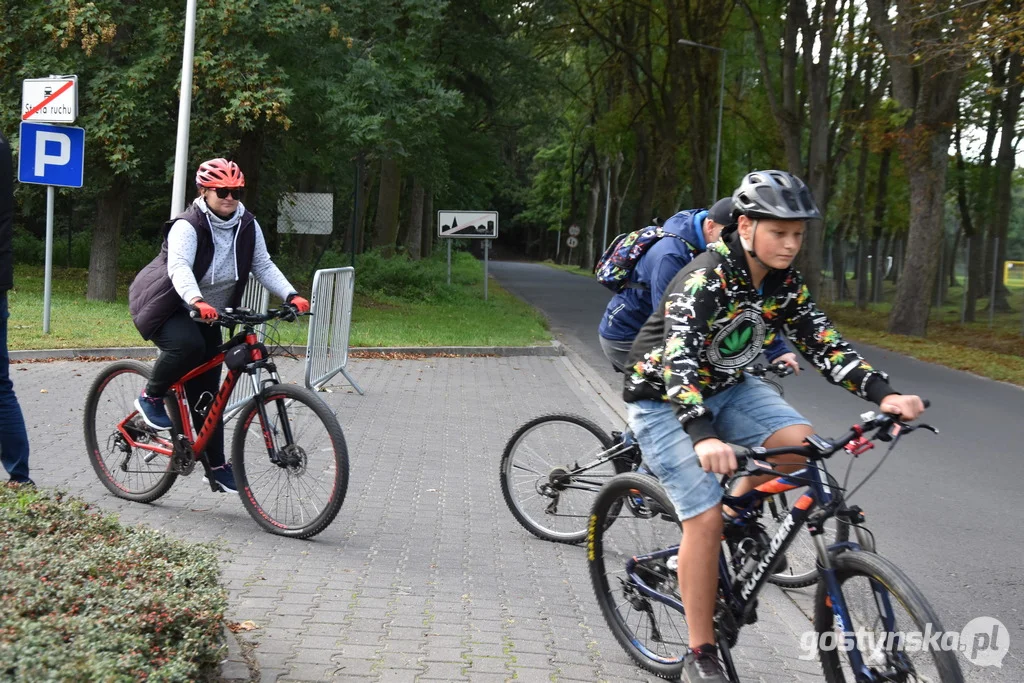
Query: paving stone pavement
{"points": [[424, 575]]}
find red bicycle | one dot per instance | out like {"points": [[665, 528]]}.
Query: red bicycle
{"points": [[288, 452]]}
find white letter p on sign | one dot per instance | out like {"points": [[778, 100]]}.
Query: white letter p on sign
{"points": [[43, 159]]}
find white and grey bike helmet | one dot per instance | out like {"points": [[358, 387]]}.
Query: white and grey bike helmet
{"points": [[774, 194]]}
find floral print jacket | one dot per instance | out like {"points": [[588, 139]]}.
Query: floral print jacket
{"points": [[712, 323]]}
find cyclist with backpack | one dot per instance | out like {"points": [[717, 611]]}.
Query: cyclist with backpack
{"points": [[688, 398], [638, 266], [208, 253]]}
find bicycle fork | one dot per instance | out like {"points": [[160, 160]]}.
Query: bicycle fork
{"points": [[282, 426], [845, 636]]}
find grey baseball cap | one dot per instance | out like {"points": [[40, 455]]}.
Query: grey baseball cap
{"points": [[721, 211]]}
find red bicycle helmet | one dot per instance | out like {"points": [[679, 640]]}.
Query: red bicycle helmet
{"points": [[219, 173]]}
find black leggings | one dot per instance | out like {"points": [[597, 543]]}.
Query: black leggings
{"points": [[185, 345]]}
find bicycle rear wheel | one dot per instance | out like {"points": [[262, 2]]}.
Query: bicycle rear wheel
{"points": [[298, 489], [623, 530], [128, 472], [552, 468], [883, 607]]}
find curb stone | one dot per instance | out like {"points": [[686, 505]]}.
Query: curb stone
{"points": [[556, 348]]}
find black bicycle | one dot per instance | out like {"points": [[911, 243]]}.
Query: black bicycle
{"points": [[866, 610], [554, 465]]}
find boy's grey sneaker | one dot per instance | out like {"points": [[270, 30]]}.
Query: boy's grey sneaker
{"points": [[153, 411], [224, 478], [701, 665]]}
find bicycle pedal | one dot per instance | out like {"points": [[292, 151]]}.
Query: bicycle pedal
{"points": [[751, 617]]}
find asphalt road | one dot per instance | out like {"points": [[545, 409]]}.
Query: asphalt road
{"points": [[946, 509]]}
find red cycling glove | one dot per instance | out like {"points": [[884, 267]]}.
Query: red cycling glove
{"points": [[205, 310], [301, 305]]}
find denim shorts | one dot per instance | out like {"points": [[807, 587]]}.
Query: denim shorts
{"points": [[745, 414]]}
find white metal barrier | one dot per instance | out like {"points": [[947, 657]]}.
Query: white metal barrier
{"points": [[329, 327], [256, 298]]}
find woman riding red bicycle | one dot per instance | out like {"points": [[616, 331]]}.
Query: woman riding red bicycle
{"points": [[208, 253]]}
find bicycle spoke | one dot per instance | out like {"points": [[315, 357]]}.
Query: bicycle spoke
{"points": [[299, 490], [541, 478]]}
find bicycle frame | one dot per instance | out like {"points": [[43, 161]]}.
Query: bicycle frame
{"points": [[741, 591], [164, 446], [616, 451]]}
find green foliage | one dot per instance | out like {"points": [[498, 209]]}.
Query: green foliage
{"points": [[133, 253], [400, 279], [84, 598]]}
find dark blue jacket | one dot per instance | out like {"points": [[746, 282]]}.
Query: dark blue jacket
{"points": [[629, 309]]}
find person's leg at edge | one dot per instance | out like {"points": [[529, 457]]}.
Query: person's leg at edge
{"points": [[181, 341], [752, 414], [616, 351], [696, 496], [13, 434], [207, 383], [698, 573]]}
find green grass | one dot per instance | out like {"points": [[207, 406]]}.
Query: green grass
{"points": [[443, 315], [996, 352]]}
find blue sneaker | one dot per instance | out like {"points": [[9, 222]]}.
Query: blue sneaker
{"points": [[153, 411], [224, 478]]}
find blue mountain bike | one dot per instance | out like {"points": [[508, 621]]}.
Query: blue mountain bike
{"points": [[864, 607]]}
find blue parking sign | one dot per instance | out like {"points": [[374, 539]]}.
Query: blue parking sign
{"points": [[51, 155]]}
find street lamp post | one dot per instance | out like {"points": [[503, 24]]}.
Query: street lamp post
{"points": [[184, 111], [721, 102]]}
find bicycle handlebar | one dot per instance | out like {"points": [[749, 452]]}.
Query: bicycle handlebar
{"points": [[751, 460], [245, 316], [779, 369]]}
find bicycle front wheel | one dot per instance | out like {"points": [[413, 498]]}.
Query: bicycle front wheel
{"points": [[127, 471], [634, 523], [552, 468], [883, 608], [290, 461]]}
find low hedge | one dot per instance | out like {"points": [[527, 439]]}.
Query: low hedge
{"points": [[84, 598]]}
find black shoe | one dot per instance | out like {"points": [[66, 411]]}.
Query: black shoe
{"points": [[701, 665]]}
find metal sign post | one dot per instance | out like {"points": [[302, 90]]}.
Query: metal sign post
{"points": [[572, 242], [50, 155], [480, 225]]}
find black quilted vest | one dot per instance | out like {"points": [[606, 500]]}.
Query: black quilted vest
{"points": [[152, 298]]}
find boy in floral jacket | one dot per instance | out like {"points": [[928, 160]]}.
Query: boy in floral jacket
{"points": [[687, 395]]}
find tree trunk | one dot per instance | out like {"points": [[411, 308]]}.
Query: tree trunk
{"points": [[642, 211], [926, 172], [586, 250], [248, 157], [860, 220], [385, 230], [927, 90], [368, 176], [414, 232], [839, 262], [106, 235], [1005, 163], [951, 280], [614, 217], [878, 227], [428, 224], [975, 237]]}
